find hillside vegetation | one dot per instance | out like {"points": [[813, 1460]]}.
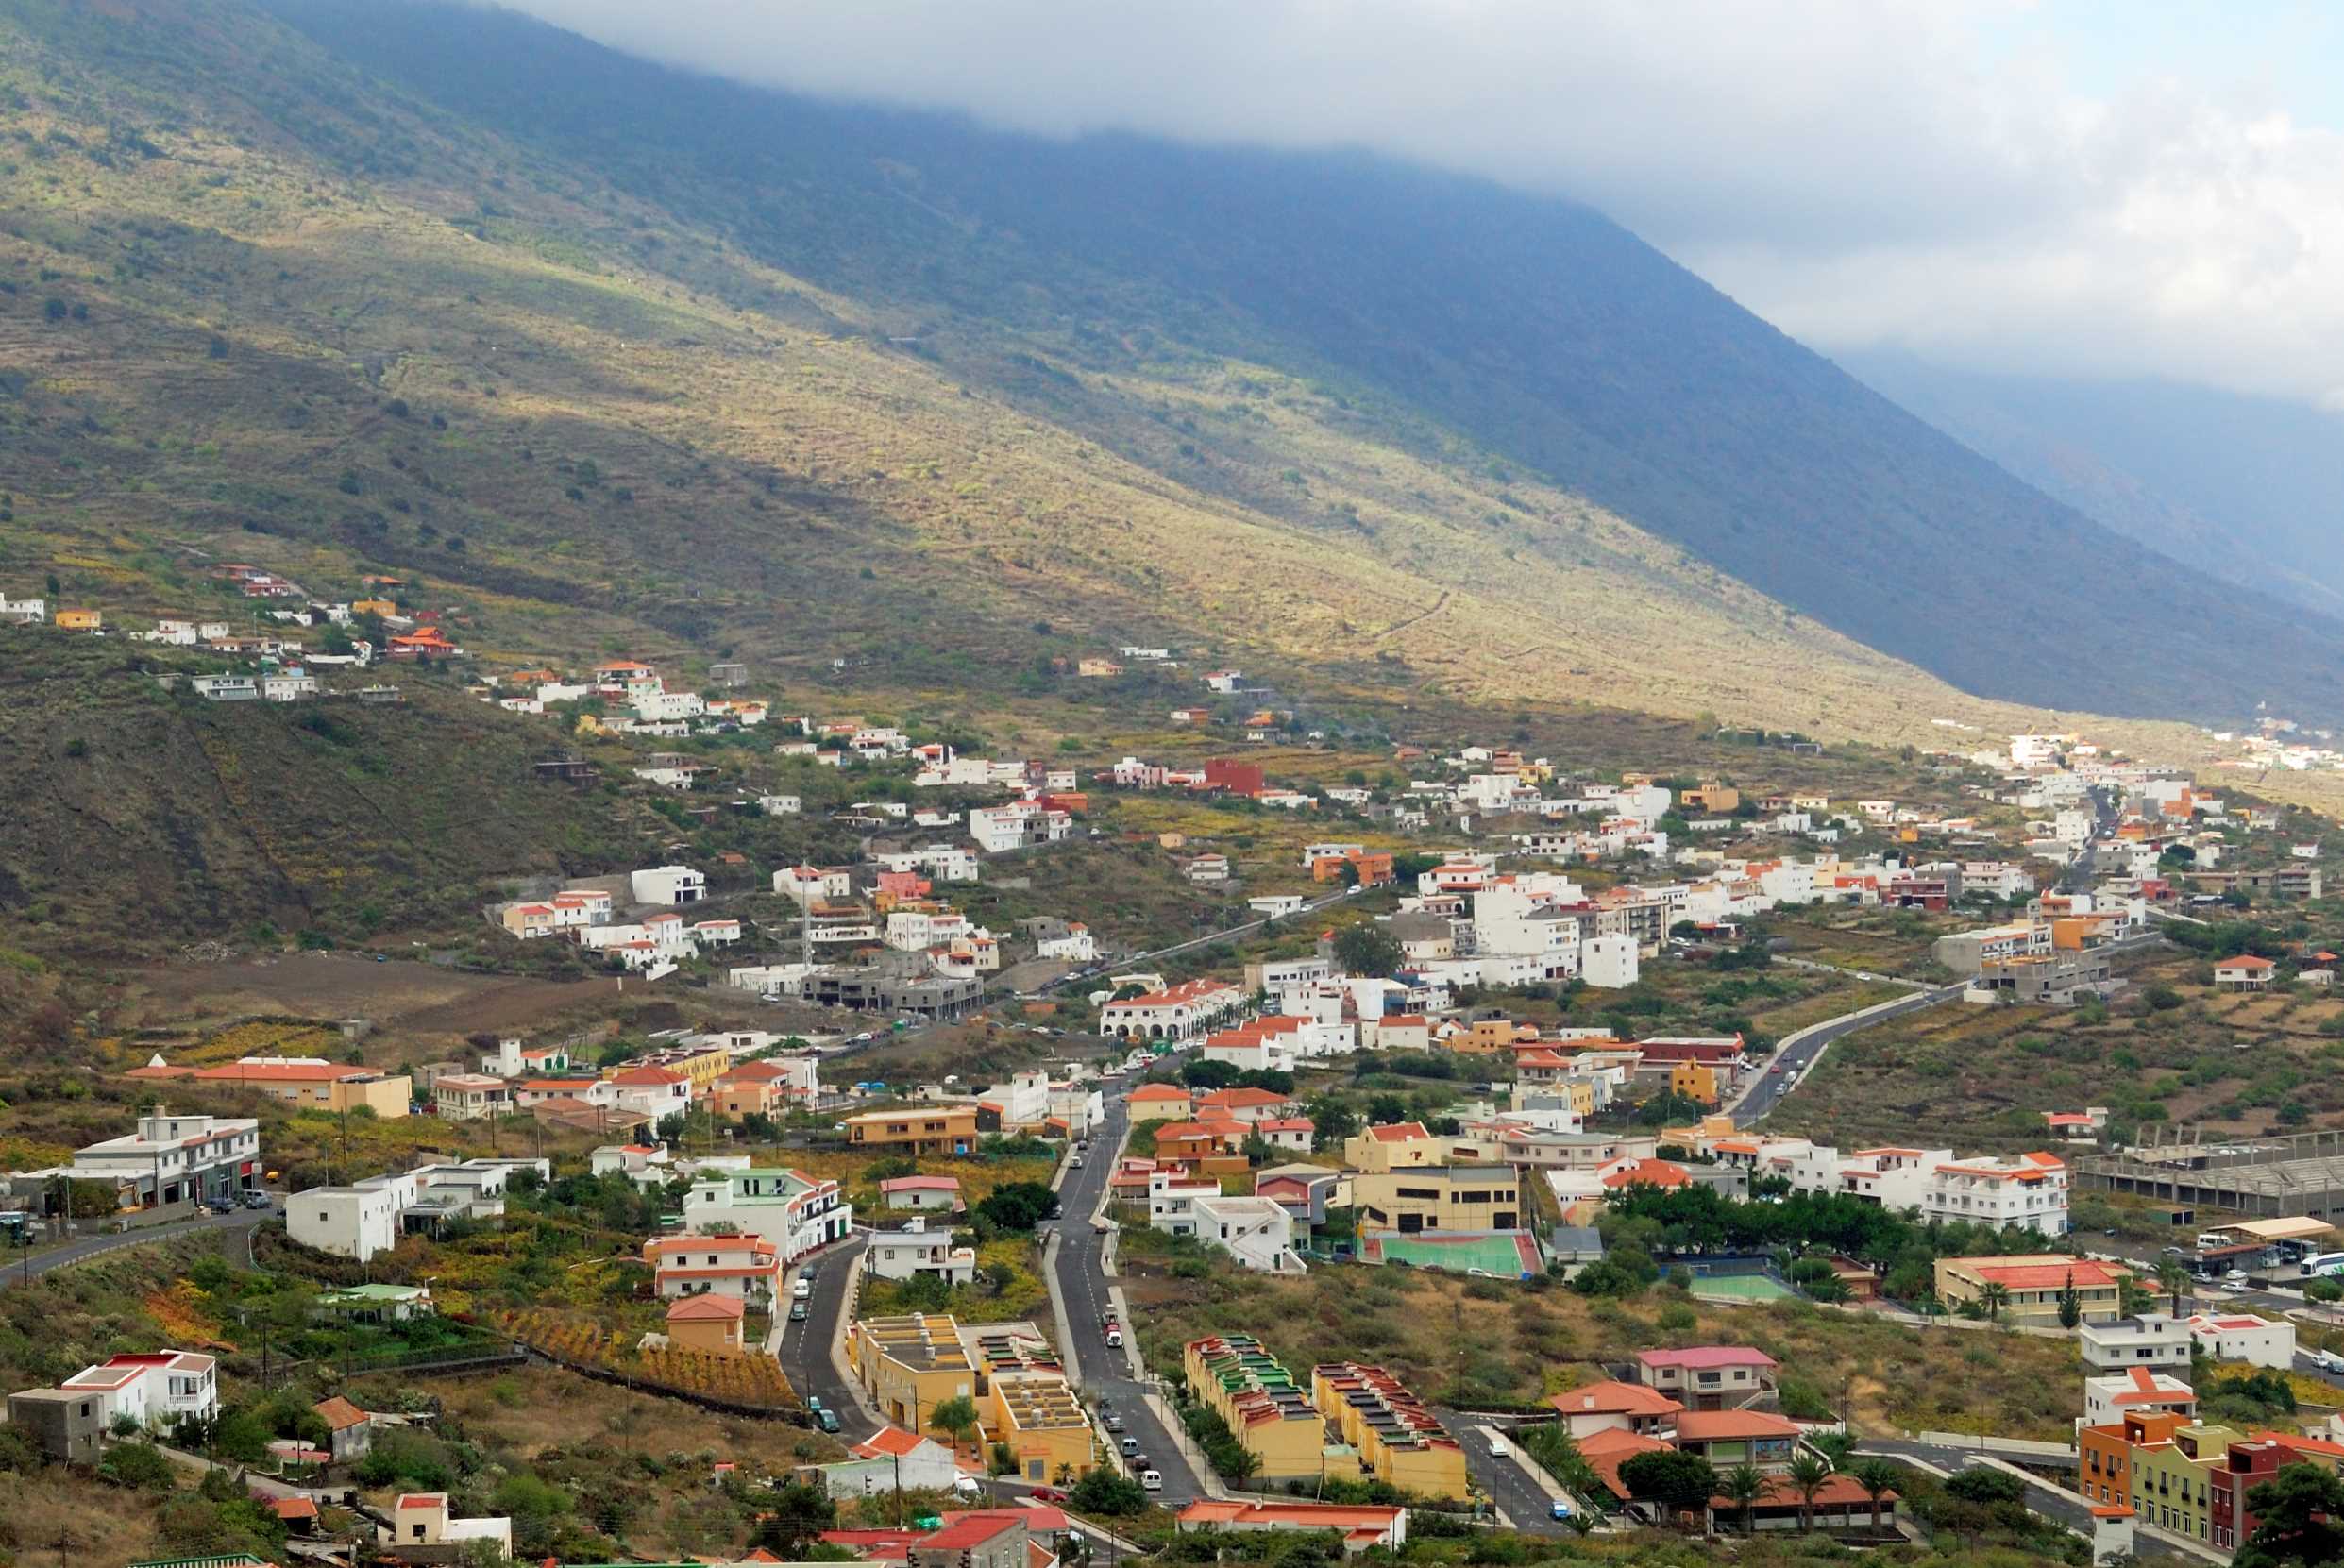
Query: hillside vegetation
{"points": [[261, 306]]}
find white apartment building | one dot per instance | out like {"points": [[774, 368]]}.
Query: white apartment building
{"points": [[1016, 826], [1257, 1232], [746, 1266], [1176, 1013], [350, 1222], [1609, 962], [175, 1159], [795, 1212]]}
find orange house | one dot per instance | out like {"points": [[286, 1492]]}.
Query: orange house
{"points": [[79, 620], [373, 607], [2105, 1453], [709, 1324]]}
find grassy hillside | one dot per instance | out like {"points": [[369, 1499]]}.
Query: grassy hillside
{"points": [[301, 318]]}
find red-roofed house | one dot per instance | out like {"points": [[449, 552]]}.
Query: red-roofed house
{"points": [[1840, 1503], [1242, 1105], [711, 1325], [744, 1266], [1728, 1438], [2244, 974], [1613, 1406], [2031, 1286], [1645, 1172], [2136, 1390], [1176, 1013], [1360, 1526], [1161, 1103], [921, 1193], [1605, 1451]]}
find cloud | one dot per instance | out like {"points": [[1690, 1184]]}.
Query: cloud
{"points": [[1919, 173]]}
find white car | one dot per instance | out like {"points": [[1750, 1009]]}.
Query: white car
{"points": [[1498, 1449], [1152, 1479], [803, 1290]]}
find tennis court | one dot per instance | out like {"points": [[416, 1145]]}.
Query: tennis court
{"points": [[1506, 1255], [1740, 1288]]}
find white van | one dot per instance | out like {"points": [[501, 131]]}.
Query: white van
{"points": [[1152, 1479]]}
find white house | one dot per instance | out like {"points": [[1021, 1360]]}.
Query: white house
{"points": [[154, 1389], [470, 1096], [2154, 1340], [915, 1250], [349, 1222], [2243, 1337], [422, 1519], [744, 1265], [793, 1211], [24, 612], [1257, 1232], [668, 885], [928, 1193], [889, 1460], [288, 685], [1608, 961], [226, 688], [644, 1164], [1177, 1012]]}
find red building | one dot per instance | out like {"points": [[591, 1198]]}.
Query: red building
{"points": [[1237, 777], [2252, 1462]]}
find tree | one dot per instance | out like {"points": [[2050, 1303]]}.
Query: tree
{"points": [[956, 1415], [2299, 1519], [1808, 1472], [1744, 1485], [1994, 1297], [1367, 949], [2070, 1302], [2172, 1277], [1102, 1491], [1019, 1206], [796, 1514], [1679, 1482], [1878, 1477]]}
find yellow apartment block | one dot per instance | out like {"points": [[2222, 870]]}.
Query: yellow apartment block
{"points": [[1693, 1080], [1397, 1438], [910, 1365], [1438, 1198], [1257, 1399], [1037, 1417]]}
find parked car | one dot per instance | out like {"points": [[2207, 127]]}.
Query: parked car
{"points": [[797, 1311], [1115, 1422], [1047, 1494], [803, 1290], [1115, 1338], [827, 1421], [1131, 1447], [258, 1200], [1152, 1479]]}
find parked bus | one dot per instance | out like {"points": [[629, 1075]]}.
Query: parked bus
{"points": [[2326, 1265]]}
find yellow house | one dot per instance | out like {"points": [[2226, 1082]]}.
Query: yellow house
{"points": [[1035, 1416], [1397, 1437], [703, 1066], [1438, 1198], [910, 1365], [1258, 1400], [373, 607], [1396, 1146], [316, 1085], [1161, 1102], [929, 1130], [1693, 1080], [79, 620], [710, 1323], [2031, 1286]]}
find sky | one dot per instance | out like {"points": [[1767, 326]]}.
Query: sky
{"points": [[2081, 188]]}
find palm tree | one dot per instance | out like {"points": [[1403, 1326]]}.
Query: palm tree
{"points": [[1744, 1485], [1994, 1297], [1877, 1476], [1808, 1472], [2172, 1277]]}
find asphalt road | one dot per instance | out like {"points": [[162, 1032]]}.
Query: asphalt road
{"points": [[1526, 1505], [2042, 1498], [805, 1347], [14, 1269], [1798, 1050], [1081, 1290]]}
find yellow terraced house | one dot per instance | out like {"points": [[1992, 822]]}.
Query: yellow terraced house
{"points": [[1035, 1416], [1258, 1400], [910, 1365], [1398, 1440]]}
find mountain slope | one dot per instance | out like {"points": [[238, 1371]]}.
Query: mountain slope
{"points": [[307, 321], [2251, 489], [1536, 331]]}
